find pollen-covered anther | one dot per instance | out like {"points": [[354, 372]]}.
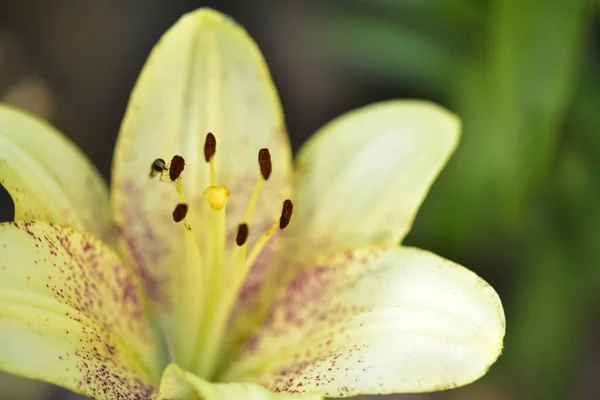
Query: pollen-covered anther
{"points": [[210, 147], [180, 212], [242, 234], [286, 214], [176, 167], [264, 161], [216, 196]]}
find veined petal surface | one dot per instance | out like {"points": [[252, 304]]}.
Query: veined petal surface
{"points": [[358, 181], [361, 179], [180, 384], [205, 75], [376, 321], [48, 177], [72, 314]]}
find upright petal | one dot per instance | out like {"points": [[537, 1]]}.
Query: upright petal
{"points": [[377, 321], [361, 179], [205, 75], [180, 384], [71, 314], [48, 178]]}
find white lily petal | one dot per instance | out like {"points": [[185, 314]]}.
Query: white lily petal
{"points": [[358, 181], [361, 179], [205, 75], [377, 321], [48, 178], [72, 314]]}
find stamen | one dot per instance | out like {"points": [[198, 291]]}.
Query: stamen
{"points": [[286, 214], [158, 167], [242, 234], [189, 298], [261, 242], [264, 161], [210, 146], [216, 196], [176, 167], [180, 212], [222, 294]]}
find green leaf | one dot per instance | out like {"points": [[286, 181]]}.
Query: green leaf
{"points": [[390, 51], [453, 12], [513, 103]]}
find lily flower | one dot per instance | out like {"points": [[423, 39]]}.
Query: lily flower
{"points": [[215, 269]]}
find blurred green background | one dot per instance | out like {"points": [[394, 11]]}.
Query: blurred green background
{"points": [[519, 203]]}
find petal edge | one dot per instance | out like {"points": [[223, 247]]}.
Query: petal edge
{"points": [[71, 313], [377, 321], [48, 177], [362, 177]]}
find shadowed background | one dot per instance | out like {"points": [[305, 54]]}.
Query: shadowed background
{"points": [[519, 202]]}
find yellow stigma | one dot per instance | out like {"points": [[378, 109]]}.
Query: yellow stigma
{"points": [[217, 196]]}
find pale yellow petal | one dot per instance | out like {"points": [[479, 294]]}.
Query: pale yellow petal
{"points": [[361, 179], [205, 75], [180, 384], [48, 178], [71, 314], [377, 321]]}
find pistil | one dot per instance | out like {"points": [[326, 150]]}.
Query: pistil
{"points": [[210, 282]]}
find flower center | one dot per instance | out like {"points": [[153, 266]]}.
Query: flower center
{"points": [[212, 279]]}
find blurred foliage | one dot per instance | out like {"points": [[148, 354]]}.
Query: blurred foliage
{"points": [[521, 196], [13, 387]]}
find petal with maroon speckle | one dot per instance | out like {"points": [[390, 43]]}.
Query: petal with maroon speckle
{"points": [[49, 178], [72, 314], [358, 181], [180, 384], [376, 321], [205, 75]]}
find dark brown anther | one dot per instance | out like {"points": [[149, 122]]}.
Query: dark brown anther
{"points": [[176, 167], [158, 167], [180, 212], [242, 234], [264, 161], [286, 214], [210, 147]]}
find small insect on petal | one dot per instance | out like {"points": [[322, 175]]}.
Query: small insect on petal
{"points": [[286, 214], [210, 146], [264, 161], [180, 212], [242, 234], [158, 167], [176, 167]]}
